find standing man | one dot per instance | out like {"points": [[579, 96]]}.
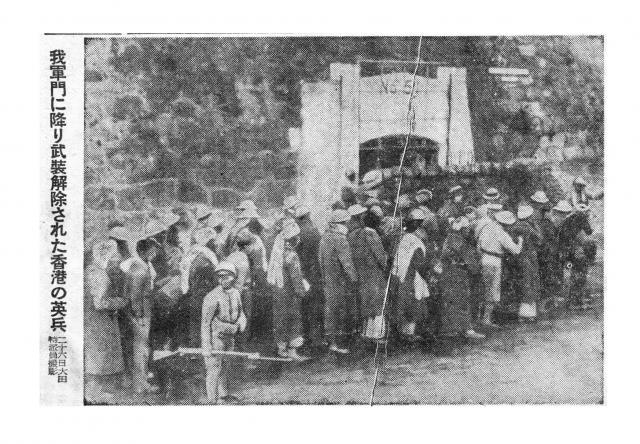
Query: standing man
{"points": [[370, 261], [527, 262], [493, 243], [338, 271], [575, 256], [222, 318], [197, 278], [242, 283], [452, 208], [287, 299], [412, 266], [138, 252], [256, 306], [580, 195], [102, 346], [312, 304], [459, 263], [423, 199], [547, 250]]}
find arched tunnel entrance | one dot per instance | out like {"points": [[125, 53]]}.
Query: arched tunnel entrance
{"points": [[385, 152]]}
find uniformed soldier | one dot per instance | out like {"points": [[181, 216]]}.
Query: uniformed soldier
{"points": [[312, 305], [338, 271], [287, 299], [222, 318], [493, 243], [138, 250], [197, 279], [370, 261], [412, 268]]}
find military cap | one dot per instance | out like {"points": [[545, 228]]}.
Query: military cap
{"points": [[226, 267], [424, 195], [491, 194]]}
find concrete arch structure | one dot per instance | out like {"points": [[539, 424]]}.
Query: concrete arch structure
{"points": [[339, 114]]}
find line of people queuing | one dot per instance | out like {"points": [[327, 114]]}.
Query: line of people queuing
{"points": [[192, 278]]}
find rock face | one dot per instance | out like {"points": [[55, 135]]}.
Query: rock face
{"points": [[177, 120]]}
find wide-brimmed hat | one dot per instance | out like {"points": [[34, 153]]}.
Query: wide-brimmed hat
{"points": [[505, 218], [540, 197], [246, 204], [290, 231], [491, 194], [356, 209], [582, 208], [372, 178], [225, 267], [203, 235], [120, 233], [563, 207], [290, 202], [153, 227], [457, 189], [580, 181], [339, 216], [302, 210], [525, 211], [424, 195], [200, 211], [249, 213], [417, 214]]}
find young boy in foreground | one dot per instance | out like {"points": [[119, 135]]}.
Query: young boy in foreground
{"points": [[222, 319]]}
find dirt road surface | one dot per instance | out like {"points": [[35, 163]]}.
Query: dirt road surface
{"points": [[551, 362]]}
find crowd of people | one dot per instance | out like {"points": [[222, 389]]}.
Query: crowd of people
{"points": [[380, 271]]}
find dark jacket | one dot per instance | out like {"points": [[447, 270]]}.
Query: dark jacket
{"points": [[102, 346], [336, 263], [308, 251], [370, 261]]}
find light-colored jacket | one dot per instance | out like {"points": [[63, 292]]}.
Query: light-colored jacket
{"points": [[494, 240]]}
